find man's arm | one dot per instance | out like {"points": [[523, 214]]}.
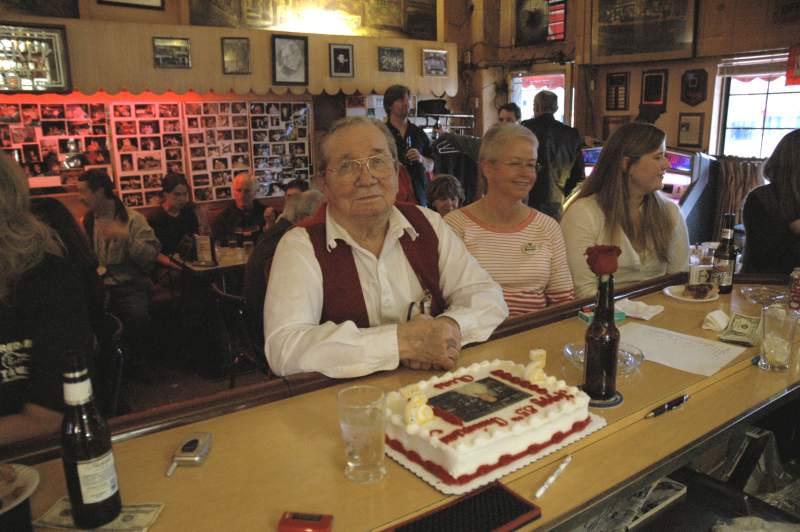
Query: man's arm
{"points": [[578, 172], [31, 422], [469, 146], [143, 246]]}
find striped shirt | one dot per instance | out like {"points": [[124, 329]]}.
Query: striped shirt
{"points": [[529, 261]]}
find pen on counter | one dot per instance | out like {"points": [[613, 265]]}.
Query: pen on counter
{"points": [[755, 359], [666, 407], [552, 478]]}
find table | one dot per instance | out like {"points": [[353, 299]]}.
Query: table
{"points": [[287, 455]]}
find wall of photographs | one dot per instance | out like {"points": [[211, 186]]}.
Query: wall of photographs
{"points": [[138, 142], [56, 140]]}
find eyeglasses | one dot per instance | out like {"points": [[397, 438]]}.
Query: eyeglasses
{"points": [[518, 165], [379, 166]]}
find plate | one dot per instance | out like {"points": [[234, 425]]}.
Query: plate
{"points": [[676, 292], [629, 357], [762, 295], [16, 492]]}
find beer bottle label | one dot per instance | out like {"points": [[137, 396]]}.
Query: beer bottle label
{"points": [[97, 478], [723, 272]]}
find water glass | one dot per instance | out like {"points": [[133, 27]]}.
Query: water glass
{"points": [[778, 325], [361, 417]]}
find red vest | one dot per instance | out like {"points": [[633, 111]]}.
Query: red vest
{"points": [[343, 299]]}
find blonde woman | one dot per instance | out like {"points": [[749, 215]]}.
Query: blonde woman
{"points": [[620, 204], [521, 248], [43, 314]]}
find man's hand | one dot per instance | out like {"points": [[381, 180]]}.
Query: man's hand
{"points": [[426, 342], [413, 155], [794, 226]]}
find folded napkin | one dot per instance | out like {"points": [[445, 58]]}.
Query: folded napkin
{"points": [[716, 321], [638, 309]]}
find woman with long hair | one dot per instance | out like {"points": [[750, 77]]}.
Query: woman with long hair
{"points": [[772, 213], [620, 205], [43, 314], [520, 247]]}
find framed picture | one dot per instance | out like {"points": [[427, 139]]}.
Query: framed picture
{"points": [[654, 87], [617, 91], [341, 60], [641, 30], [46, 70], [693, 86], [235, 55], [145, 4], [613, 123], [391, 59], [171, 52], [690, 130], [289, 60], [540, 21], [434, 62]]}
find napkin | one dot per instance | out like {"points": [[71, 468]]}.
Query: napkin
{"points": [[638, 309], [716, 321]]}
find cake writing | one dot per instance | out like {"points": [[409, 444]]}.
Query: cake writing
{"points": [[523, 412], [463, 431], [546, 397], [454, 380]]}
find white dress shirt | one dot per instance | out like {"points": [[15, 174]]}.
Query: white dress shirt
{"points": [[296, 342], [583, 225]]}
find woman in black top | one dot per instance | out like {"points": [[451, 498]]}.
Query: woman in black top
{"points": [[176, 221], [772, 213]]}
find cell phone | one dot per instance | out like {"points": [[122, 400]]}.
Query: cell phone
{"points": [[191, 452], [494, 507], [300, 522]]}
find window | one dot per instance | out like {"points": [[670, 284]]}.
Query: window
{"points": [[759, 110], [524, 89]]}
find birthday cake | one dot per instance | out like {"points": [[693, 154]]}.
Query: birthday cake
{"points": [[471, 426]]}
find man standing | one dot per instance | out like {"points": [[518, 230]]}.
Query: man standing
{"points": [[560, 157], [245, 214], [413, 145]]}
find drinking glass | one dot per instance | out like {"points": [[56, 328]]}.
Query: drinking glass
{"points": [[361, 417], [778, 324]]}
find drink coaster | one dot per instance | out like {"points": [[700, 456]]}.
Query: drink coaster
{"points": [[606, 403]]}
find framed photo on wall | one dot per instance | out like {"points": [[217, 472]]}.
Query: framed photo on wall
{"points": [[341, 60], [289, 60], [693, 86], [434, 62], [642, 30], [171, 52], [391, 59], [235, 55], [50, 69], [654, 87], [690, 130], [145, 4], [617, 91], [612, 123]]}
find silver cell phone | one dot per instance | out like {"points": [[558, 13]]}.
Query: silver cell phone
{"points": [[192, 452]]}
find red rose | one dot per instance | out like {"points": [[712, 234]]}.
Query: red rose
{"points": [[602, 259]]}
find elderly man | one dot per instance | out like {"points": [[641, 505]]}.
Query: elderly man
{"points": [[244, 214], [559, 155], [356, 289]]}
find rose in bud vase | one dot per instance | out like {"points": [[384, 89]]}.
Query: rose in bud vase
{"points": [[602, 336]]}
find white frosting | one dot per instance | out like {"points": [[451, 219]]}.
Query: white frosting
{"points": [[485, 446]]}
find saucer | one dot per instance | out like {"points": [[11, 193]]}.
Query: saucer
{"points": [[629, 357], [26, 479], [676, 292], [762, 295]]}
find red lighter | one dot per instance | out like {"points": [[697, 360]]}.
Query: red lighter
{"points": [[303, 522]]}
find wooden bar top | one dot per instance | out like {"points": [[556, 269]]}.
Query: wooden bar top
{"points": [[288, 455]]}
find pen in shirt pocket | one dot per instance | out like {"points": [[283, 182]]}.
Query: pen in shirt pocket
{"points": [[423, 304]]}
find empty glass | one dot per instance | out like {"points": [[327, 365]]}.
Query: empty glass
{"points": [[778, 324], [361, 417]]}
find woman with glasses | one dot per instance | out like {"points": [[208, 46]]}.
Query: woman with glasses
{"points": [[521, 248], [619, 205]]}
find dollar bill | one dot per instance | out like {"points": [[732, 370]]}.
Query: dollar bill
{"points": [[132, 518], [742, 329]]}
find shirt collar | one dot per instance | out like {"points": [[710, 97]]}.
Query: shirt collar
{"points": [[398, 224]]}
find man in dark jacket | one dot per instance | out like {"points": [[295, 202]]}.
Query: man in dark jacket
{"points": [[560, 158]]}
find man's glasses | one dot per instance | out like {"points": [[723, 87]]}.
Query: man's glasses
{"points": [[379, 166], [518, 165]]}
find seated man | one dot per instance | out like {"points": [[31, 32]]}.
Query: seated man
{"points": [[244, 214], [356, 288]]}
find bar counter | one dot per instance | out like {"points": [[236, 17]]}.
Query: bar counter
{"points": [[288, 454]]}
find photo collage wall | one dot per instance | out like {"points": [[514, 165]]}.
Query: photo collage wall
{"points": [[208, 141], [56, 139]]}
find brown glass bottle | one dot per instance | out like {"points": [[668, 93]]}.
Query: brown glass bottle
{"points": [[602, 342], [724, 261], [86, 450]]}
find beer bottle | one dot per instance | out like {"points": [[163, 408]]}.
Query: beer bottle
{"points": [[602, 342], [86, 450], [724, 261]]}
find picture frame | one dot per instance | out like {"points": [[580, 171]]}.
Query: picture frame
{"points": [[391, 59], [172, 52], [539, 22], [434, 62], [654, 87], [341, 60], [289, 60], [626, 32], [141, 4], [690, 130], [612, 123], [235, 55], [617, 91], [694, 85], [52, 72]]}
